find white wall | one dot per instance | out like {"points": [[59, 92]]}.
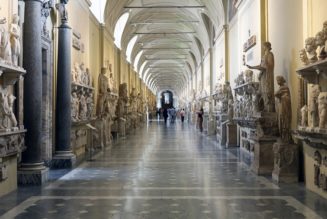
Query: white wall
{"points": [[247, 20]]}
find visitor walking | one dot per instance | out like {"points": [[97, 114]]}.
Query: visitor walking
{"points": [[200, 119], [182, 113]]}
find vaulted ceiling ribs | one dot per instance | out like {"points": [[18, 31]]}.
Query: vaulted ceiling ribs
{"points": [[168, 36]]}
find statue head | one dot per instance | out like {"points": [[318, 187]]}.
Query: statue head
{"points": [[103, 70], [15, 19], [267, 46], [310, 44], [320, 38], [324, 29], [123, 90], [280, 80]]}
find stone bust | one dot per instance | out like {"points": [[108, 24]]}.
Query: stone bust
{"points": [[310, 48]]}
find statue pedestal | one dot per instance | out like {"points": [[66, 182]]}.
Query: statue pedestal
{"points": [[122, 127], [263, 160], [103, 138], [231, 135], [257, 137], [286, 162], [221, 129]]}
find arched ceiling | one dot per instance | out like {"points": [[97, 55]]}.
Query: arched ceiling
{"points": [[172, 36]]}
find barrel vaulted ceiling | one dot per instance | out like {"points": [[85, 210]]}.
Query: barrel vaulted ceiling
{"points": [[172, 36]]}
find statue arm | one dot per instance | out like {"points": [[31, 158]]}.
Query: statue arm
{"points": [[256, 67]]}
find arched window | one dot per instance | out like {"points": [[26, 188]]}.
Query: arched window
{"points": [[137, 59], [119, 29], [97, 8], [130, 48]]}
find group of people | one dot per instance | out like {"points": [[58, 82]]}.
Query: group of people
{"points": [[171, 114]]}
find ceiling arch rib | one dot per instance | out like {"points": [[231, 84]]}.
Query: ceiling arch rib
{"points": [[171, 37]]}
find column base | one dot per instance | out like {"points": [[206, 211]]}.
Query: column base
{"points": [[32, 174], [63, 160]]}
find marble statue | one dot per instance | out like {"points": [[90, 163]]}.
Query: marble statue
{"points": [[284, 109], [75, 73], [313, 118], [112, 82], [82, 106], [61, 7], [90, 105], [248, 76], [320, 42], [304, 116], [74, 107], [83, 79], [230, 111], [3, 20], [324, 30], [103, 93], [86, 77], [15, 39], [310, 48], [2, 30], [322, 109], [6, 110], [266, 77], [240, 79], [123, 99], [10, 111], [5, 47], [304, 57]]}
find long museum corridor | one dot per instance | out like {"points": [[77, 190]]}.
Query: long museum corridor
{"points": [[164, 171]]}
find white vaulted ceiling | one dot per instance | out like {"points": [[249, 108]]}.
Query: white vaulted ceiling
{"points": [[172, 36]]}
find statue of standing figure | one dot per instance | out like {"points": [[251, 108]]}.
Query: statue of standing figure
{"points": [[322, 109], [266, 77], [284, 109], [103, 99], [313, 115], [15, 39]]}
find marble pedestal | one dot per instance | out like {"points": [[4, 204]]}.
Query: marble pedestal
{"points": [[257, 137], [221, 129], [103, 137], [231, 135], [122, 127], [286, 162], [263, 160]]}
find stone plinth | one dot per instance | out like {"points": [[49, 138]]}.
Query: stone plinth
{"points": [[263, 160], [231, 135], [257, 137], [221, 129], [286, 163]]}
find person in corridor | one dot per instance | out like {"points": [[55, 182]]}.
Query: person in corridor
{"points": [[200, 119], [182, 113]]}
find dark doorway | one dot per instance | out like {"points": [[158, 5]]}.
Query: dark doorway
{"points": [[167, 100]]}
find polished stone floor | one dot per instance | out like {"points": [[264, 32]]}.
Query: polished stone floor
{"points": [[163, 171]]}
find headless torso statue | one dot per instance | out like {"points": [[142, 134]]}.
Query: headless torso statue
{"points": [[266, 77]]}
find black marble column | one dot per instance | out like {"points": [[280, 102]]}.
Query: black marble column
{"points": [[32, 169], [64, 158]]}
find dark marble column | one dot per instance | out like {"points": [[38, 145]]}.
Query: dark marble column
{"points": [[32, 169], [64, 158]]}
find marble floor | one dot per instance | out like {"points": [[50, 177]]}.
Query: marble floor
{"points": [[163, 171]]}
